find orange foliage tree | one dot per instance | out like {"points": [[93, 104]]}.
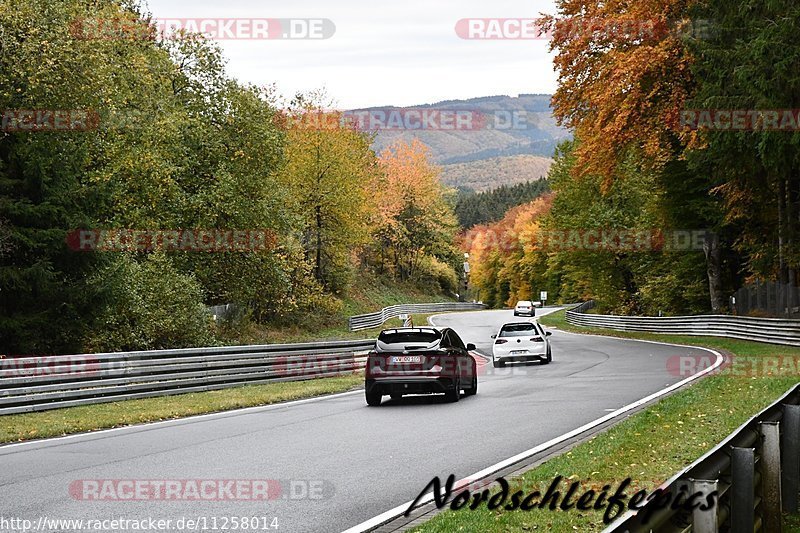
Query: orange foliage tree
{"points": [[624, 75], [414, 224], [506, 262]]}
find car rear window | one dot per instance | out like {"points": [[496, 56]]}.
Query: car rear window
{"points": [[526, 304], [518, 330], [415, 336]]}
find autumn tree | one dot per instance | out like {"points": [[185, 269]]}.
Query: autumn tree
{"points": [[506, 263], [578, 243], [747, 61], [328, 166], [653, 276], [169, 141], [625, 75], [414, 224]]}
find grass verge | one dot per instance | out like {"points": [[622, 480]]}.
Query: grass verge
{"points": [[648, 447], [60, 422]]}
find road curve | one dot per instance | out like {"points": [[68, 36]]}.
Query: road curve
{"points": [[370, 459]]}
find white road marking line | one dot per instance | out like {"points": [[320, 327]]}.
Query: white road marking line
{"points": [[400, 509]]}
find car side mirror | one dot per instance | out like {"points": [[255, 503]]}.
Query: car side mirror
{"points": [[548, 333], [494, 336], [470, 346]]}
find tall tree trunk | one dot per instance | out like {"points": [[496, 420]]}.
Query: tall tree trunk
{"points": [[791, 229], [782, 274], [713, 255], [318, 258], [382, 252]]}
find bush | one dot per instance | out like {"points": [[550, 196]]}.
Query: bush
{"points": [[436, 275], [149, 305]]}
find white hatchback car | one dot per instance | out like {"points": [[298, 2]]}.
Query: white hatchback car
{"points": [[521, 341], [524, 307]]}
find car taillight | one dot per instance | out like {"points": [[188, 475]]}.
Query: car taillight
{"points": [[374, 361], [500, 341], [536, 339]]}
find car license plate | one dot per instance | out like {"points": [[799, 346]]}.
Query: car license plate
{"points": [[516, 352], [406, 359]]}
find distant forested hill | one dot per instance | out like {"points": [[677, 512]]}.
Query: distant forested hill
{"points": [[491, 173], [481, 208], [488, 157], [536, 133]]}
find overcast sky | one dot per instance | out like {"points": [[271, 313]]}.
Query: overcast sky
{"points": [[399, 52]]}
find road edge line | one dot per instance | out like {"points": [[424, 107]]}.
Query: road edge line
{"points": [[398, 511]]}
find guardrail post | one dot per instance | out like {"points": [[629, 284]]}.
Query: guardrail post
{"points": [[790, 457], [771, 475], [705, 521], [742, 490]]}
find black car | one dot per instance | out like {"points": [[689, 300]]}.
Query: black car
{"points": [[420, 361]]}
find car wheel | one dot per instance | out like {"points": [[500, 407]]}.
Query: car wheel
{"points": [[396, 396], [548, 358], [516, 314], [373, 398], [454, 394]]}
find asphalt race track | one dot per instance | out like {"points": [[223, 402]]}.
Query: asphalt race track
{"points": [[355, 461]]}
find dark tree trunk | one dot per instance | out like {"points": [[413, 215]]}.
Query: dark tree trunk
{"points": [[781, 232], [713, 255]]}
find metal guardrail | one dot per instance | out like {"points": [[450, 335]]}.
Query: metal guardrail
{"points": [[30, 384], [373, 320], [40, 383], [772, 330], [755, 471]]}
